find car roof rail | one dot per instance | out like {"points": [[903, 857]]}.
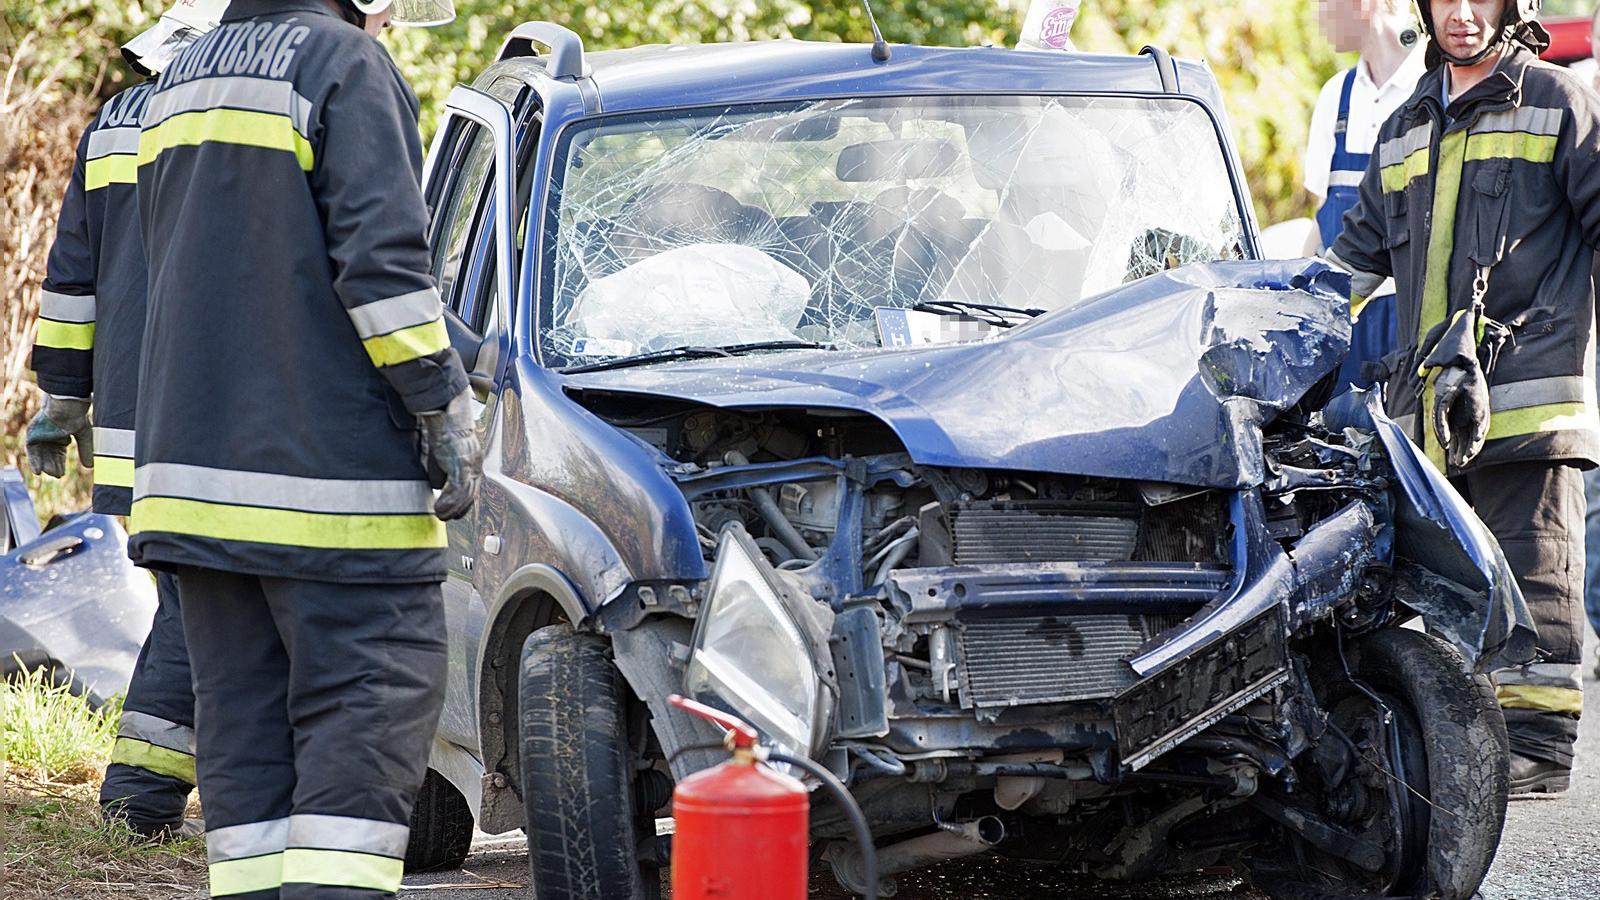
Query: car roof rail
{"points": [[1164, 67], [566, 48]]}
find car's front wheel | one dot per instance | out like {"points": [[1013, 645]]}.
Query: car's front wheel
{"points": [[1421, 776], [579, 771]]}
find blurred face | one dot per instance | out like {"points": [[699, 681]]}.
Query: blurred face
{"points": [[1344, 22], [377, 22], [1465, 27]]}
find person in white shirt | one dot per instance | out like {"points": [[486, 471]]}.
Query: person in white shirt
{"points": [[1344, 128]]}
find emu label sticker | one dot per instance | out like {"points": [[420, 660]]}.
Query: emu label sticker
{"points": [[1048, 25]]}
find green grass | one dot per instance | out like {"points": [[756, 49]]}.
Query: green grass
{"points": [[49, 734], [53, 842]]}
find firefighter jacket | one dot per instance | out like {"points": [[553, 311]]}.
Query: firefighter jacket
{"points": [[91, 311], [1500, 196], [296, 328]]}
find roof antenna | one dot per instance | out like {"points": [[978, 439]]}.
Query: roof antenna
{"points": [[880, 47]]}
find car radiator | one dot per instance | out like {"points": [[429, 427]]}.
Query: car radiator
{"points": [[1005, 531], [1051, 659]]}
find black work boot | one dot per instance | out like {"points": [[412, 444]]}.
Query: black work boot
{"points": [[1537, 776]]}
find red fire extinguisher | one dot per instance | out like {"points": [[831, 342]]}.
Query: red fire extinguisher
{"points": [[741, 827]]}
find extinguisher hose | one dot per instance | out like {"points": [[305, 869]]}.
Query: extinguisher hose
{"points": [[858, 821]]}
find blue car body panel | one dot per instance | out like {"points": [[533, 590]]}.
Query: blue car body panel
{"points": [[72, 599], [1151, 382]]}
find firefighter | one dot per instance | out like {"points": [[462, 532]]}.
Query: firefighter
{"points": [[87, 351], [1344, 128], [298, 396], [1483, 203]]}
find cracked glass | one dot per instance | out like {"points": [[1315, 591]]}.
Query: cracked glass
{"points": [[798, 222]]}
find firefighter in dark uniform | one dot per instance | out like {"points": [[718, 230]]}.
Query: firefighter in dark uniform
{"points": [[1484, 205], [297, 397], [87, 351]]}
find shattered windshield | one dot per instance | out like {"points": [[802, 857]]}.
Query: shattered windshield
{"points": [[806, 222]]}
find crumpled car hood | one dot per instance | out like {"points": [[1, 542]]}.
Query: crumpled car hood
{"points": [[1165, 379]]}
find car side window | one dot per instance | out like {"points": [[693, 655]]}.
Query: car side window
{"points": [[459, 211]]}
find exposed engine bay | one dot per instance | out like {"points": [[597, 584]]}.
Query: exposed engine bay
{"points": [[976, 633]]}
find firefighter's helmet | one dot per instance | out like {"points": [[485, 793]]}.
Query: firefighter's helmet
{"points": [[418, 13], [1518, 22], [152, 49]]}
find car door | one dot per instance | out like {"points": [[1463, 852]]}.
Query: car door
{"points": [[472, 260]]}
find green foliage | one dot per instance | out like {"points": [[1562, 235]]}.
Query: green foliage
{"points": [[1269, 58]]}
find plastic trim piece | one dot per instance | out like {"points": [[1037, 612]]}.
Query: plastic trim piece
{"points": [[566, 48], [1164, 67]]}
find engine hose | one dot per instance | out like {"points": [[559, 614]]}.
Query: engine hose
{"points": [[858, 821], [782, 528]]}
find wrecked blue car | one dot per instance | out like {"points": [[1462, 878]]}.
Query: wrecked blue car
{"points": [[934, 414]]}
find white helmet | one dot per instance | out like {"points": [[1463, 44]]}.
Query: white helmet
{"points": [[182, 25], [418, 13]]}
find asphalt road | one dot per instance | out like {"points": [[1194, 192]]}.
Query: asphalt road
{"points": [[1550, 851]]}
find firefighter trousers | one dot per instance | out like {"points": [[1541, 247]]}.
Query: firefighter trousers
{"points": [[316, 705], [1536, 511], [152, 762]]}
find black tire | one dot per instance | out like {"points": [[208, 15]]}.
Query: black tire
{"points": [[577, 789], [1452, 730], [441, 827]]}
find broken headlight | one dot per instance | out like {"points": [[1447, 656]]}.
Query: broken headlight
{"points": [[749, 651]]}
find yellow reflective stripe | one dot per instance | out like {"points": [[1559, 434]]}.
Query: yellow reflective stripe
{"points": [[340, 868], [120, 168], [1436, 277], [1397, 176], [263, 525], [241, 876], [1540, 698], [113, 471], [65, 335], [227, 126], [1537, 419], [407, 343], [1539, 148], [147, 756]]}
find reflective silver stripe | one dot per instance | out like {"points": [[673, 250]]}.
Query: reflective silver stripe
{"points": [[1531, 119], [153, 730], [65, 307], [1362, 284], [318, 495], [1345, 178], [113, 141], [395, 313], [1395, 150], [245, 841], [349, 834], [231, 92], [1561, 675], [1542, 391], [113, 442]]}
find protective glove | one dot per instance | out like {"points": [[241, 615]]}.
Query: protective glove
{"points": [[450, 447], [63, 420], [1461, 413], [1463, 351]]}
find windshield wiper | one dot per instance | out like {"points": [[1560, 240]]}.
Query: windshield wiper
{"points": [[992, 313], [690, 352]]}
